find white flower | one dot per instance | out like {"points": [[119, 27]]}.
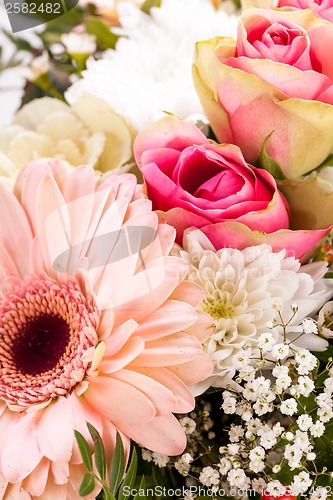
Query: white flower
{"points": [[259, 485], [301, 483], [280, 351], [283, 382], [257, 465], [150, 70], [280, 371], [254, 425], [188, 424], [304, 422], [257, 453], [319, 493], [229, 405], [309, 326], [233, 449], [241, 288], [89, 132], [79, 43], [266, 341], [209, 476], [268, 440], [238, 478], [305, 386], [236, 432], [293, 454], [275, 488], [325, 318], [160, 460], [146, 455], [38, 67], [305, 361], [183, 464], [317, 429], [224, 466], [289, 406]]}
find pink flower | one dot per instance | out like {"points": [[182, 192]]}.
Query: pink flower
{"points": [[193, 182], [320, 8], [275, 83], [96, 322]]}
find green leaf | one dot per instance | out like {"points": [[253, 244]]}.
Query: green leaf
{"points": [[266, 162], [129, 479], [107, 494], [117, 468], [100, 458], [84, 450], [87, 485], [105, 39], [142, 487], [148, 4]]}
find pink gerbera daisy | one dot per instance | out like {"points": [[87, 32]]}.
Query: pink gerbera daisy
{"points": [[96, 324]]}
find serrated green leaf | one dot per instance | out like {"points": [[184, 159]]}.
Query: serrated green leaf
{"points": [[117, 468], [266, 162], [142, 486], [84, 450], [105, 39], [148, 4], [129, 479], [100, 458], [87, 485]]}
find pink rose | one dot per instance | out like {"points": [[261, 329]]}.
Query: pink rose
{"points": [[194, 182], [320, 8], [275, 79]]}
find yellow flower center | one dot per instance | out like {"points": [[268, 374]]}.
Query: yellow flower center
{"points": [[218, 308]]}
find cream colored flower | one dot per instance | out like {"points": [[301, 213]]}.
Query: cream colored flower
{"points": [[89, 132], [79, 43], [37, 67]]}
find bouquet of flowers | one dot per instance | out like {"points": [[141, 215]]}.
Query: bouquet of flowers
{"points": [[166, 257]]}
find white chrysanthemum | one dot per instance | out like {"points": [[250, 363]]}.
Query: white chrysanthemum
{"points": [[150, 70], [242, 289]]}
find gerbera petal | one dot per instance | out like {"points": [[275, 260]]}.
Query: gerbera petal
{"points": [[119, 336], [55, 431], [15, 232], [163, 434], [171, 317], [193, 371], [144, 293], [161, 397], [118, 401], [16, 465], [36, 482], [126, 355], [184, 398], [178, 348]]}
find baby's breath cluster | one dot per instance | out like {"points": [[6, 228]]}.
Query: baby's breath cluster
{"points": [[284, 405]]}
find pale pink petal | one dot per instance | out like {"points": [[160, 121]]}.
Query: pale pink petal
{"points": [[119, 337], [202, 328], [16, 465], [181, 219], [35, 483], [16, 492], [55, 431], [60, 471], [163, 434], [126, 355], [161, 397], [15, 232], [144, 293], [176, 348], [188, 292], [83, 413], [171, 317], [193, 371], [54, 491], [184, 398], [118, 401]]}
